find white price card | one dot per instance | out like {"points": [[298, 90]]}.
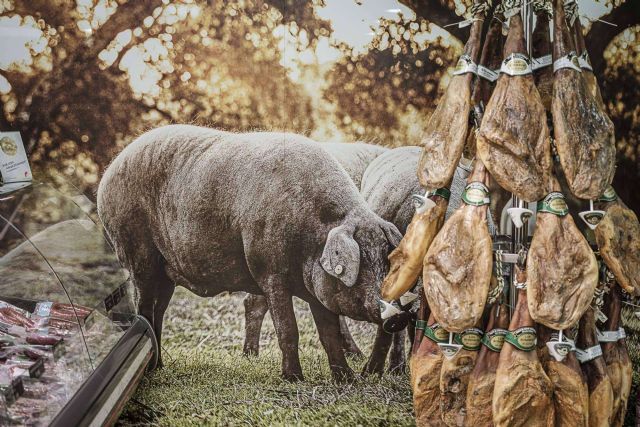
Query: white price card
{"points": [[14, 165]]}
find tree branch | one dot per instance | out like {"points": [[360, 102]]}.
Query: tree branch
{"points": [[439, 13], [601, 34]]}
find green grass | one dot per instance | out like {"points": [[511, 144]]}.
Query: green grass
{"points": [[207, 381]]}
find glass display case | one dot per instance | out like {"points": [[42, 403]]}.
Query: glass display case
{"points": [[72, 348]]}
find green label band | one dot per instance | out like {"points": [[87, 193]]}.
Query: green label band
{"points": [[442, 192], [476, 194], [436, 333], [609, 195], [494, 339], [470, 339], [524, 339], [421, 325], [554, 203]]}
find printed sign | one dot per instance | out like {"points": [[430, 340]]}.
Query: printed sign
{"points": [[14, 165]]}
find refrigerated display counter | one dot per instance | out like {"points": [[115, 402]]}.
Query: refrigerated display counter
{"points": [[72, 349]]}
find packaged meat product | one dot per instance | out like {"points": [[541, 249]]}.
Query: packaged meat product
{"points": [[446, 132], [618, 238], [32, 368], [61, 311], [457, 267], [593, 366], [454, 377], [523, 393], [406, 259], [616, 356], [483, 377], [570, 392], [513, 139], [10, 316], [425, 365], [562, 270], [10, 387], [584, 134]]}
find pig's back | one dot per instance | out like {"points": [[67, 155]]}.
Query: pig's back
{"points": [[354, 157], [389, 182]]}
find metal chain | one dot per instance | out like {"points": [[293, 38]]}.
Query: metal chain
{"points": [[497, 291]]}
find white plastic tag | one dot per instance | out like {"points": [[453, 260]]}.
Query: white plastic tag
{"points": [[584, 62], [543, 61], [408, 297], [465, 65], [600, 316], [588, 353], [388, 310], [621, 333], [568, 61], [516, 64], [488, 74], [607, 336]]}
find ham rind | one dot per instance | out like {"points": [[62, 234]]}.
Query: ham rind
{"points": [[406, 260], [513, 139], [584, 134], [483, 377], [445, 135], [595, 370], [618, 238], [570, 391], [523, 393], [425, 365], [616, 358], [457, 267], [561, 267], [585, 64]]}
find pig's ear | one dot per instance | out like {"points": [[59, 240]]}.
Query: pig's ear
{"points": [[341, 255], [393, 234]]}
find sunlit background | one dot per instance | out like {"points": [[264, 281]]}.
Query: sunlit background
{"points": [[80, 79]]}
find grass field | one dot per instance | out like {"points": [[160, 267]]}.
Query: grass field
{"points": [[207, 381]]}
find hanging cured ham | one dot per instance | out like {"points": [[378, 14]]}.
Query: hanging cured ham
{"points": [[513, 139], [483, 377], [585, 64], [523, 392], [618, 238], [562, 269], [406, 260], [445, 135], [570, 392], [584, 134], [541, 46], [426, 364], [455, 375], [616, 356], [457, 267], [595, 370]]}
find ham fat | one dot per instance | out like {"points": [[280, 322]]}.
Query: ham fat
{"points": [[513, 139], [457, 267], [584, 134]]}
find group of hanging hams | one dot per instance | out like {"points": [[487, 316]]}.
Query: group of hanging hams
{"points": [[477, 361]]}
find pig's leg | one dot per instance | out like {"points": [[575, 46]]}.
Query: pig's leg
{"points": [[328, 325], [348, 344], [397, 356], [381, 345], [255, 308], [280, 304]]}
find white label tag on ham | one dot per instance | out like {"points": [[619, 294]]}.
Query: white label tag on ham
{"points": [[488, 74], [607, 336], [516, 64], [543, 61], [465, 65], [600, 316], [568, 61], [588, 353], [621, 333], [560, 349], [584, 61]]}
